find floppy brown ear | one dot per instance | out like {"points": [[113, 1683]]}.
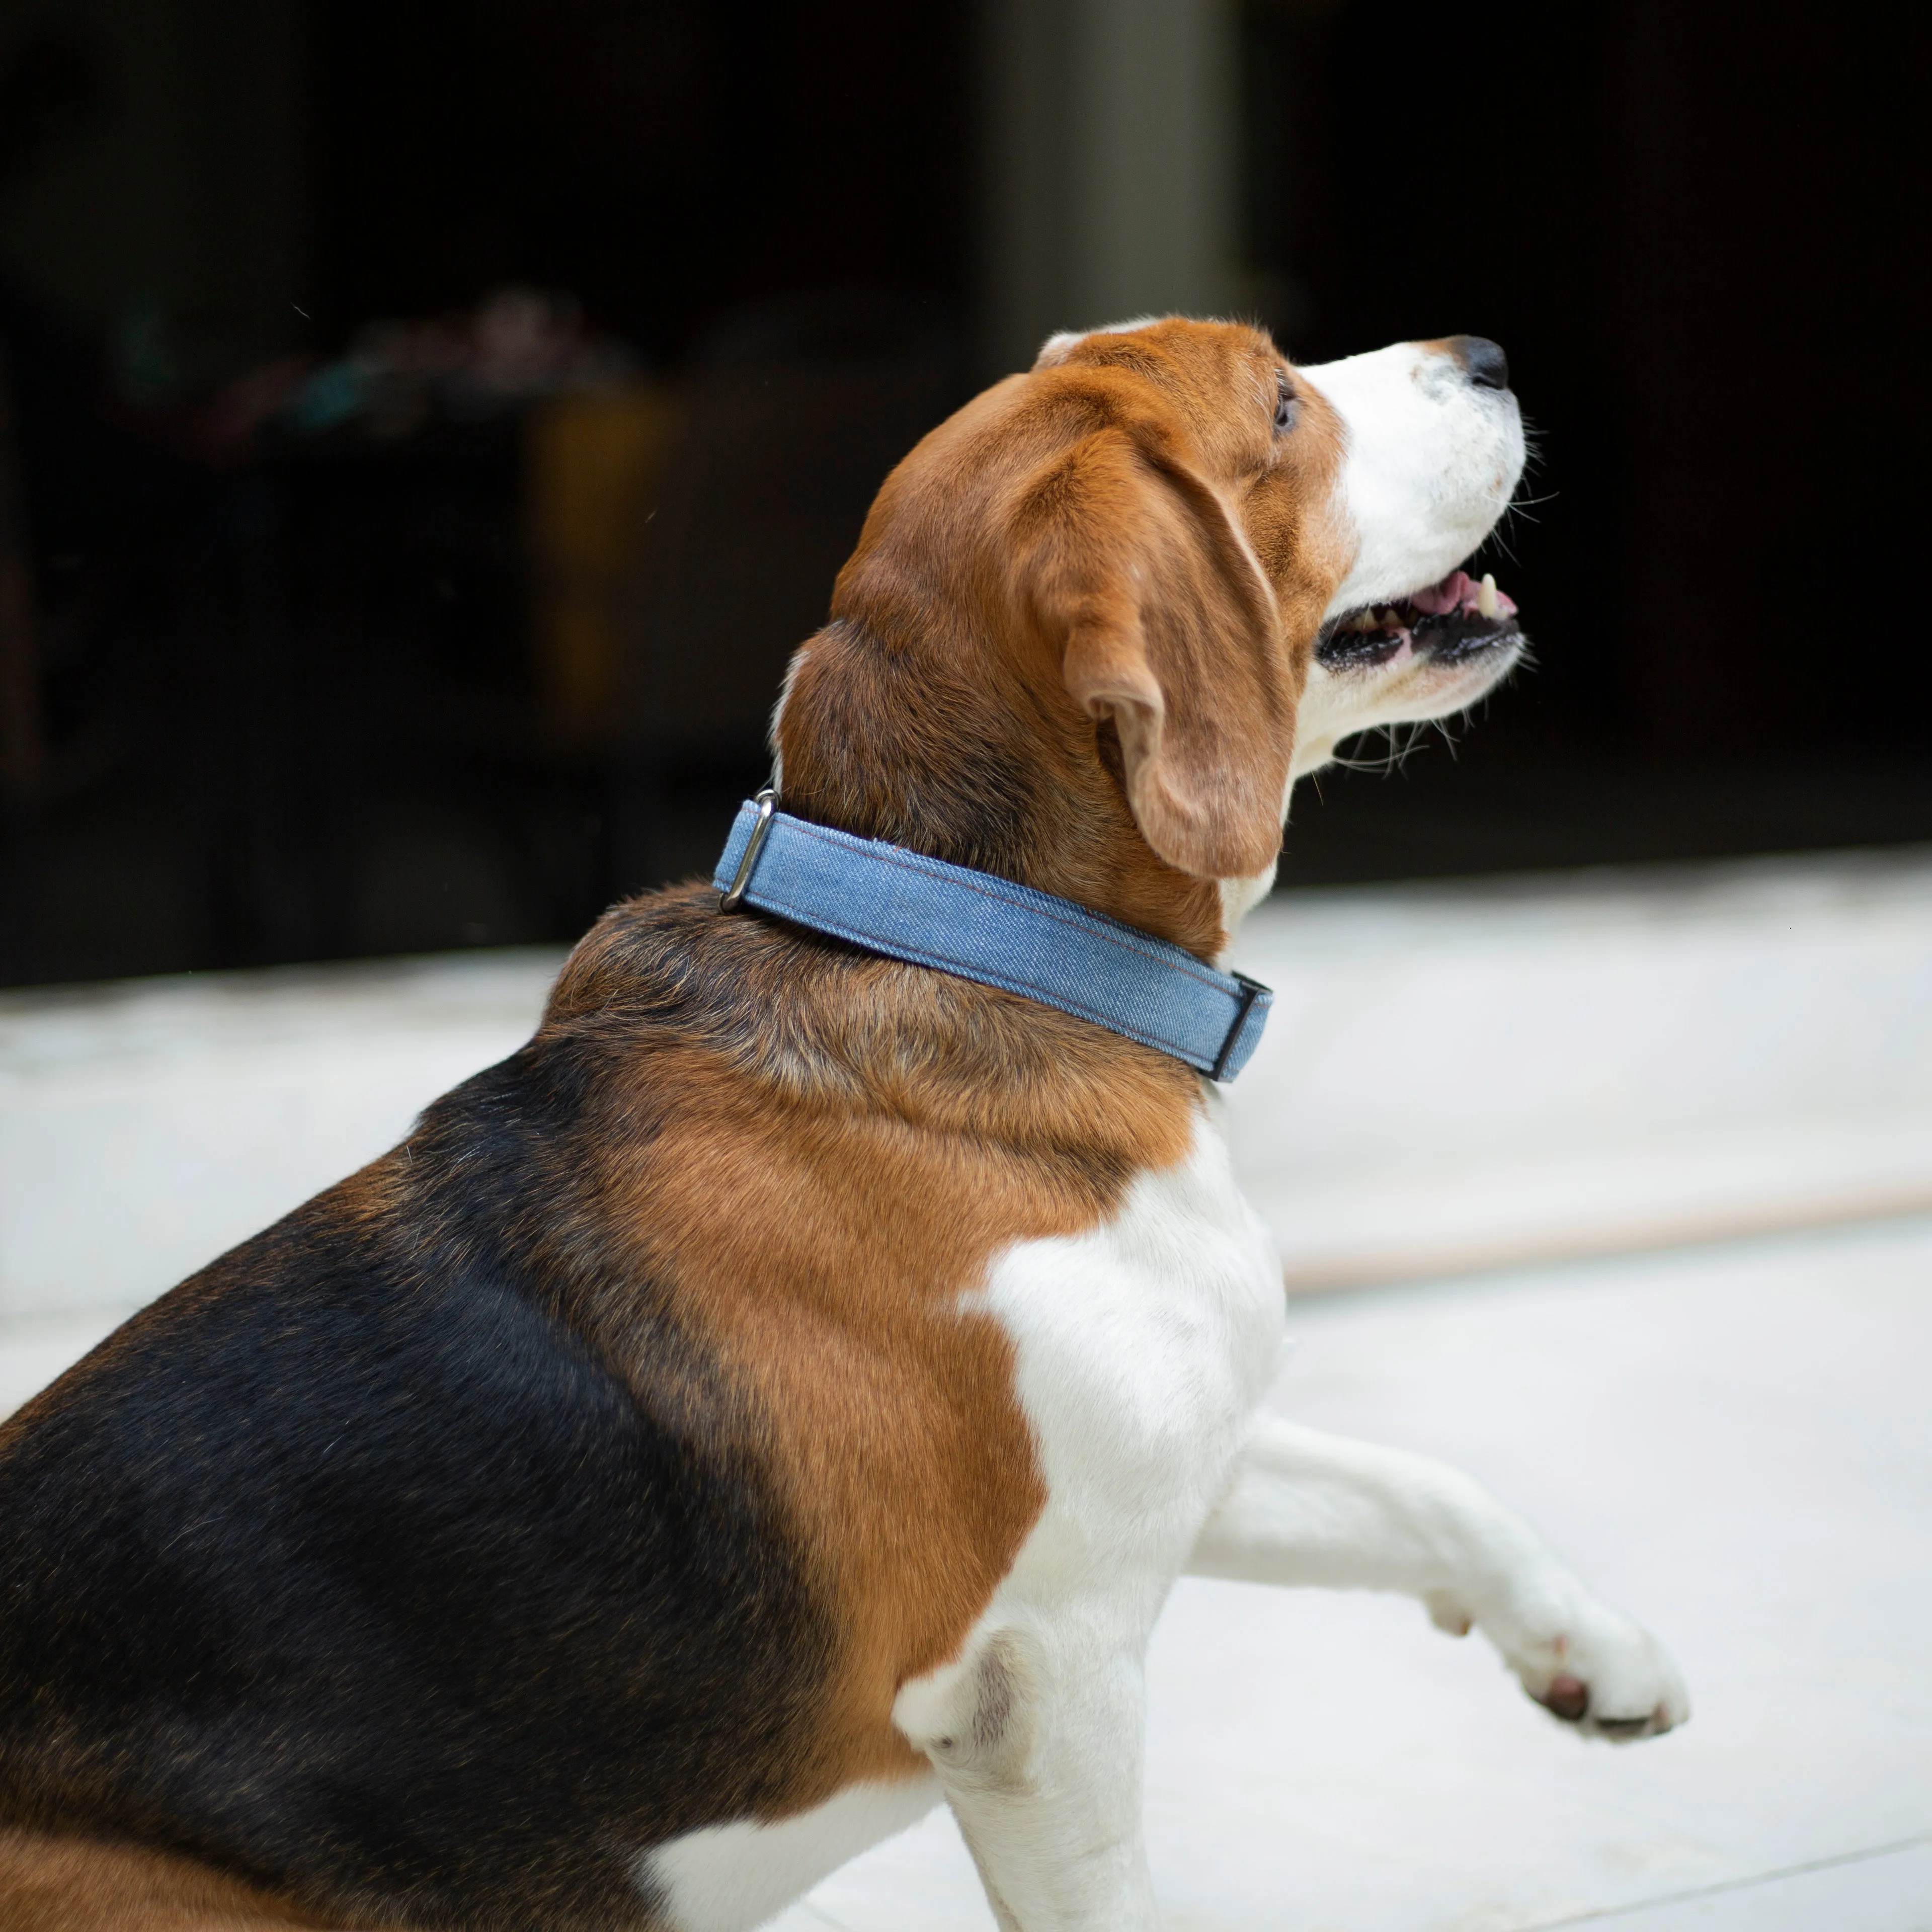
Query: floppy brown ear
{"points": [[1169, 629]]}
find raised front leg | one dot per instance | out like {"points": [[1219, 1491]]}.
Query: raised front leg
{"points": [[1037, 1736], [1307, 1508]]}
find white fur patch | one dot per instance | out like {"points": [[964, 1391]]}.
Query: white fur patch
{"points": [[1307, 1508], [1143, 1348], [1054, 349], [729, 1878], [1431, 462]]}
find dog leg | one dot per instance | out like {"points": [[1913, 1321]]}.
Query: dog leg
{"points": [[1038, 1742], [1307, 1508]]}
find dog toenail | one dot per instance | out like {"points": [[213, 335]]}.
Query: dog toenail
{"points": [[1625, 1727]]}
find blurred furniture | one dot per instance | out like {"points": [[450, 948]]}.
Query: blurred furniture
{"points": [[595, 461]]}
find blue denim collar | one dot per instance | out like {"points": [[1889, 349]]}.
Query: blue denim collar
{"points": [[889, 900]]}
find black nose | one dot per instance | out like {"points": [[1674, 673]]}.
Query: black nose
{"points": [[1487, 366]]}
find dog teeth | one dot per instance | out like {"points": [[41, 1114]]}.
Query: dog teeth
{"points": [[1390, 621], [1363, 620], [1486, 596]]}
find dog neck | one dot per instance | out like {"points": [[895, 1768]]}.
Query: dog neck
{"points": [[963, 750]]}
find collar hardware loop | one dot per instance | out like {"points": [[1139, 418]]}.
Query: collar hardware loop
{"points": [[765, 805]]}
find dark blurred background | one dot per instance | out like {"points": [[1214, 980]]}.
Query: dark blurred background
{"points": [[426, 427]]}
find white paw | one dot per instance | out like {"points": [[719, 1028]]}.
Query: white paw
{"points": [[1599, 1671]]}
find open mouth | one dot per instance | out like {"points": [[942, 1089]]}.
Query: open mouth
{"points": [[1457, 618]]}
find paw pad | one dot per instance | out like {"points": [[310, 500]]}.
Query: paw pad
{"points": [[1568, 1697]]}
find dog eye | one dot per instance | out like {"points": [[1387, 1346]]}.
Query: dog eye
{"points": [[1284, 404]]}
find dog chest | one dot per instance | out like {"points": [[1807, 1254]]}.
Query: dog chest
{"points": [[1141, 1348]]}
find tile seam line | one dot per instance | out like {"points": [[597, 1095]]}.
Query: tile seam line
{"points": [[1313, 1284], [824, 1918], [1730, 1884]]}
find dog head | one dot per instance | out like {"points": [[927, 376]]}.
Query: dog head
{"points": [[1434, 451], [1099, 619]]}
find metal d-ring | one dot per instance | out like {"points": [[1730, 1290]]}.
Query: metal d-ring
{"points": [[767, 803], [1251, 990]]}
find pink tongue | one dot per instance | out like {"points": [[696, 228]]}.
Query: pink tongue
{"points": [[1457, 592], [1441, 598]]}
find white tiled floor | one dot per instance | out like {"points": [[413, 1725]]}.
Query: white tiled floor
{"points": [[1490, 1072], [1734, 1441], [1882, 1891], [147, 1126]]}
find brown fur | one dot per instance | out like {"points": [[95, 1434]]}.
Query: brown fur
{"points": [[69, 1884], [1068, 650]]}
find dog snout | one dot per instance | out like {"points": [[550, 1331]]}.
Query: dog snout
{"points": [[1482, 361]]}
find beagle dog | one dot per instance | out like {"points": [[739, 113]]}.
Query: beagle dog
{"points": [[781, 1396]]}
